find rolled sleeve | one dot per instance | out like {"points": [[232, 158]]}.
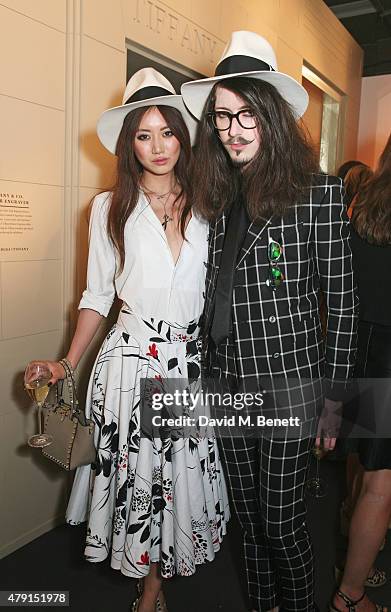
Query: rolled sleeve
{"points": [[100, 291]]}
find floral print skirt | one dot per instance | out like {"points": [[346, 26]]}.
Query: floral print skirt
{"points": [[147, 499]]}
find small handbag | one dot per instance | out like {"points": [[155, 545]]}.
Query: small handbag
{"points": [[72, 432]]}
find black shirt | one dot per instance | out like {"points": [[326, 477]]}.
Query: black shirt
{"points": [[235, 232]]}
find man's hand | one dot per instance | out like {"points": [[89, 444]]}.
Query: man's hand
{"points": [[329, 424]]}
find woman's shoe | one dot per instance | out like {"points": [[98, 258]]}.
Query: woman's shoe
{"points": [[351, 604], [140, 586], [377, 579], [161, 605]]}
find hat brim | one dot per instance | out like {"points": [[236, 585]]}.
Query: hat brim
{"points": [[111, 121], [195, 93]]}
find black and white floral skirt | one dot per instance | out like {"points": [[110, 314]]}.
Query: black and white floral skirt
{"points": [[147, 499]]}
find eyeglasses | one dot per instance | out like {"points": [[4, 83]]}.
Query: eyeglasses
{"points": [[274, 253], [222, 120]]}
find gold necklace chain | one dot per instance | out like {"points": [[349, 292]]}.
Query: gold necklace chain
{"points": [[160, 196], [157, 195]]}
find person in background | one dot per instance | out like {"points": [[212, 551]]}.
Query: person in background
{"points": [[346, 166], [158, 506], [371, 247], [355, 174], [354, 182]]}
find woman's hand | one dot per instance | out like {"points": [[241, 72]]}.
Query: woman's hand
{"points": [[87, 325], [57, 370]]}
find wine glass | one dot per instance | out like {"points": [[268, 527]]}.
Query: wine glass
{"points": [[36, 378], [316, 486]]}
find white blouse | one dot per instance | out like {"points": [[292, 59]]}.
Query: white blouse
{"points": [[151, 284]]}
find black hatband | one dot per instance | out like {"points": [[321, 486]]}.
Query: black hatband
{"points": [[241, 63], [148, 92]]}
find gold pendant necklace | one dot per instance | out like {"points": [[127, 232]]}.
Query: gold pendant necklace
{"points": [[159, 196], [166, 217]]}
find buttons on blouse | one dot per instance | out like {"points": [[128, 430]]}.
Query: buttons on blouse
{"points": [[272, 319], [276, 355]]}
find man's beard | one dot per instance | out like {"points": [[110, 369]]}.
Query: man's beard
{"points": [[240, 163]]}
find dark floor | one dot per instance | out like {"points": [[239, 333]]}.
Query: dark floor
{"points": [[55, 561]]}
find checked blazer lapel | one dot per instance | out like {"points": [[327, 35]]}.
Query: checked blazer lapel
{"points": [[217, 235], [218, 240], [254, 232]]}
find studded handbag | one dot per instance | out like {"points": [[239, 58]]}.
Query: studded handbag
{"points": [[66, 423]]}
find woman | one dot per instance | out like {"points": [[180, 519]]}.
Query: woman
{"points": [[160, 505], [371, 246]]}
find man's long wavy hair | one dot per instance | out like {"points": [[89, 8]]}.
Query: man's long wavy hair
{"points": [[129, 171], [281, 169], [371, 215]]}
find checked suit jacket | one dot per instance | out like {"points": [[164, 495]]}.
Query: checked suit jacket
{"points": [[277, 335]]}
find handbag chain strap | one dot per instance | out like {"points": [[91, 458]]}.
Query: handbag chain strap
{"points": [[74, 402], [70, 380]]}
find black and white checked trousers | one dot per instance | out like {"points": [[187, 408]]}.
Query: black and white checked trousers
{"points": [[267, 477]]}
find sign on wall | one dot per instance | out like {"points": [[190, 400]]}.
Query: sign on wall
{"points": [[29, 221], [172, 34]]}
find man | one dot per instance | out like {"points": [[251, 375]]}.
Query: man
{"points": [[278, 236]]}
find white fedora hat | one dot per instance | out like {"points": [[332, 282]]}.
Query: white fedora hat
{"points": [[246, 54], [147, 87]]}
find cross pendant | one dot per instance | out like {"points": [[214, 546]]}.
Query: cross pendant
{"points": [[166, 219]]}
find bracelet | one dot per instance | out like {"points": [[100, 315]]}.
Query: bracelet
{"points": [[70, 380], [66, 362]]}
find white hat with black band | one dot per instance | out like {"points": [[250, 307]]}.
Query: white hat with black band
{"points": [[247, 54], [147, 87]]}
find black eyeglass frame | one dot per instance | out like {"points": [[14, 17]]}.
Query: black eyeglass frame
{"points": [[231, 117]]}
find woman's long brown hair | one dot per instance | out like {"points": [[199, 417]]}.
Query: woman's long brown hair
{"points": [[371, 215], [355, 180], [125, 192], [275, 177]]}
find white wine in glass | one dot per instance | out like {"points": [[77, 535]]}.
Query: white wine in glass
{"points": [[36, 378]]}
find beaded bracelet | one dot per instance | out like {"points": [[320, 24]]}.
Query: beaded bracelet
{"points": [[65, 361], [70, 382]]}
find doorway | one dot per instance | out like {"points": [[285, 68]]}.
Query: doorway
{"points": [[324, 120]]}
